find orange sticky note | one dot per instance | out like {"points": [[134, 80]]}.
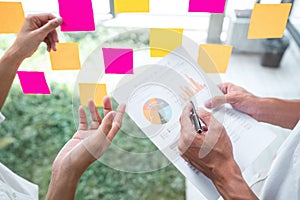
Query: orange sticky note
{"points": [[214, 58], [11, 17], [92, 91], [163, 41], [268, 20], [66, 57], [131, 6]]}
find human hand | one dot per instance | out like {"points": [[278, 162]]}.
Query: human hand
{"points": [[206, 151], [36, 29], [238, 97], [87, 145], [211, 153]]}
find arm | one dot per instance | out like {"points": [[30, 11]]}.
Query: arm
{"points": [[85, 147], [211, 153], [284, 113], [36, 29]]}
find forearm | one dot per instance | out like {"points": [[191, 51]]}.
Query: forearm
{"points": [[231, 184], [62, 187], [9, 65], [284, 113]]}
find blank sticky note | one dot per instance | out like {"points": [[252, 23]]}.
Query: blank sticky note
{"points": [[11, 17], [214, 58], [92, 91], [118, 61], [268, 20], [33, 82], [66, 57], [210, 6], [131, 6], [163, 41], [77, 15]]}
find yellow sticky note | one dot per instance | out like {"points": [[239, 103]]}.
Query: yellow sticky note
{"points": [[131, 6], [214, 58], [163, 41], [11, 17], [268, 20], [66, 57], [92, 91]]}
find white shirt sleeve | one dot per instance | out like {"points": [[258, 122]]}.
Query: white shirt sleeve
{"points": [[15, 187], [283, 181], [2, 118]]}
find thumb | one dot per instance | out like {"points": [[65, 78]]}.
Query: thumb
{"points": [[215, 101], [50, 26]]}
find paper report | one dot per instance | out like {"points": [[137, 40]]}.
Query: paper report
{"points": [[155, 96]]}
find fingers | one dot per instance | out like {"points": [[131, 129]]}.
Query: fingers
{"points": [[185, 119], [204, 116], [96, 119], [50, 26], [224, 87], [83, 122], [117, 123], [107, 105], [216, 101]]}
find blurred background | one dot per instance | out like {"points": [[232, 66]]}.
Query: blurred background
{"points": [[38, 126]]}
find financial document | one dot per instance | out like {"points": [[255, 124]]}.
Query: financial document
{"points": [[156, 95]]}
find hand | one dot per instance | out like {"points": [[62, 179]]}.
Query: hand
{"points": [[85, 147], [36, 29], [206, 151], [211, 153], [238, 97]]}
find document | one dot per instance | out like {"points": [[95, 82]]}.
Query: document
{"points": [[156, 95]]}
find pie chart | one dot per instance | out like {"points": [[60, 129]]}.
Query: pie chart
{"points": [[157, 111]]}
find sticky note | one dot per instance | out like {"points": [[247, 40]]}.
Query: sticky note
{"points": [[131, 6], [214, 58], [77, 15], [11, 17], [118, 61], [163, 41], [33, 82], [268, 20], [92, 91], [210, 6], [66, 57]]}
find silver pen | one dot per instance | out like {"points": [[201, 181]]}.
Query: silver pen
{"points": [[198, 123]]}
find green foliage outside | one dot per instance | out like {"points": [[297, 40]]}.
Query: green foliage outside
{"points": [[37, 127]]}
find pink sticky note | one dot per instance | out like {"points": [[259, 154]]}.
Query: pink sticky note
{"points": [[118, 61], [33, 82], [211, 6], [77, 15]]}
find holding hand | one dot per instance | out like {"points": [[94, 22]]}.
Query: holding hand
{"points": [[37, 29], [211, 153], [85, 147], [238, 97]]}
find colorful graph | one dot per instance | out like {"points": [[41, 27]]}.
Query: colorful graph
{"points": [[157, 111], [189, 92]]}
